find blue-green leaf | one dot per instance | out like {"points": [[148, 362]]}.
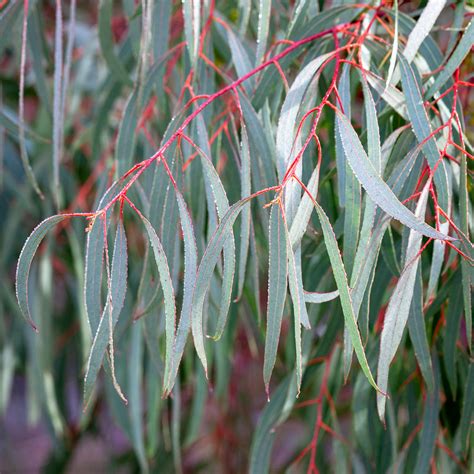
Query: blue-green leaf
{"points": [[24, 262], [277, 286], [376, 188]]}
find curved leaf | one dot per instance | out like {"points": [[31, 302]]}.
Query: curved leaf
{"points": [[376, 188], [24, 262]]}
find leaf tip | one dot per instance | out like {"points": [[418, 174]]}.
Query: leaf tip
{"points": [[267, 391]]}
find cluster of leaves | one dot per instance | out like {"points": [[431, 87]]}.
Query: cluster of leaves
{"points": [[147, 124]]}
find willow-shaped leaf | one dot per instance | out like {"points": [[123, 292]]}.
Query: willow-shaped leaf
{"points": [[423, 27], [417, 331], [344, 294], [453, 320], [205, 271], [398, 308], [190, 270], [429, 424], [375, 157], [216, 189], [126, 136], [245, 185], [24, 262], [393, 55], [421, 127], [192, 27], [349, 191], [277, 285], [375, 187], [117, 289], [135, 384], [264, 10], [296, 291], [94, 263], [241, 60], [467, 410], [168, 292], [462, 49]]}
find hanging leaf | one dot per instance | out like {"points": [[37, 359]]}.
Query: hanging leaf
{"points": [[376, 188], [277, 286], [24, 262]]}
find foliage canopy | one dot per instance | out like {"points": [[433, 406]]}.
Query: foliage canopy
{"points": [[209, 148]]}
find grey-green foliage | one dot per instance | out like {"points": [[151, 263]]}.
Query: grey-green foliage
{"points": [[223, 139]]}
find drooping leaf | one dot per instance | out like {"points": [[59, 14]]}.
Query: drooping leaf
{"points": [[344, 294], [277, 287], [24, 262], [417, 331], [429, 424], [168, 292], [376, 188], [103, 337], [456, 58], [190, 270], [297, 295], [264, 11], [192, 27], [422, 129], [205, 271], [398, 309], [245, 185]]}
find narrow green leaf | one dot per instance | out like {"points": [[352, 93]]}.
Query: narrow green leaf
{"points": [[245, 190], [394, 53], [264, 10], [277, 285], [192, 27], [463, 48], [344, 294], [103, 337], [422, 29], [439, 248], [352, 192], [190, 270], [168, 293], [296, 291], [214, 183], [240, 60], [467, 410], [451, 336], [135, 380], [205, 271], [160, 28], [422, 129], [376, 188], [126, 138], [398, 309], [57, 96], [430, 424], [417, 331], [360, 252], [94, 263], [24, 262]]}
